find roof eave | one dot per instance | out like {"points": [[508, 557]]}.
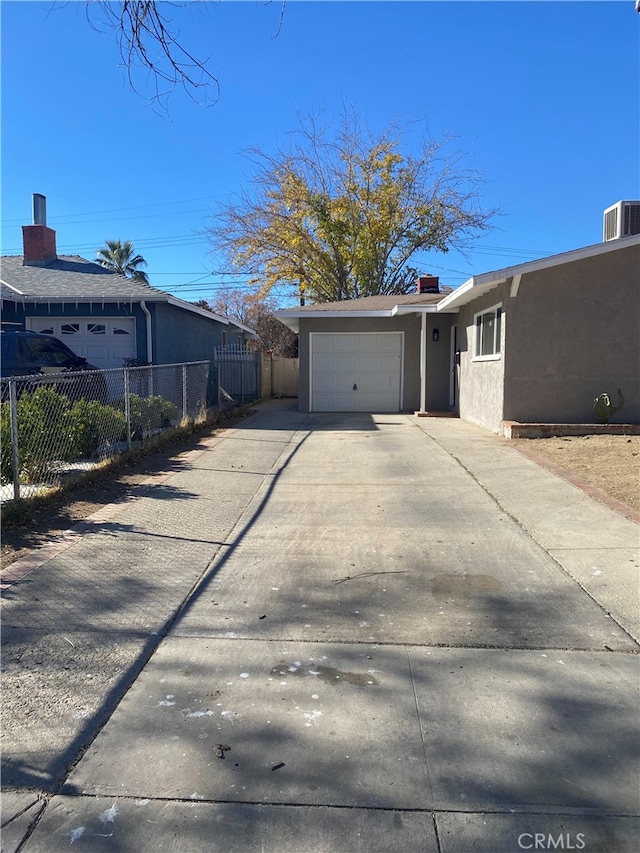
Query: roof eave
{"points": [[479, 284], [97, 297], [415, 308], [195, 309], [291, 317], [471, 289]]}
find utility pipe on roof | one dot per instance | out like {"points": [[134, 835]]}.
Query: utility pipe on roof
{"points": [[143, 305]]}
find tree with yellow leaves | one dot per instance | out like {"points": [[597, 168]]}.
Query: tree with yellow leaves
{"points": [[341, 215]]}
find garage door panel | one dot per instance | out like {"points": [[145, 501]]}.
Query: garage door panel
{"points": [[383, 363], [373, 383], [368, 403], [326, 384], [359, 372], [334, 402], [105, 342], [96, 352]]}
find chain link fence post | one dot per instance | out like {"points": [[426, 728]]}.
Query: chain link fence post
{"points": [[185, 399], [15, 452], [127, 405]]}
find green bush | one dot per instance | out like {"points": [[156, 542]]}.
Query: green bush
{"points": [[43, 432], [604, 407], [6, 465], [51, 429], [93, 425], [151, 414]]}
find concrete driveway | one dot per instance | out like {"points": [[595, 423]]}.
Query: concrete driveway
{"points": [[332, 633]]}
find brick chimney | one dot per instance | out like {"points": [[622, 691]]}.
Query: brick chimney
{"points": [[39, 241], [428, 284]]}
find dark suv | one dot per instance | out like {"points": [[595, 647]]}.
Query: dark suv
{"points": [[32, 353]]}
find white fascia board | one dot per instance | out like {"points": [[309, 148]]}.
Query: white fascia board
{"points": [[386, 312], [465, 293], [453, 300], [291, 317], [415, 309], [480, 284]]}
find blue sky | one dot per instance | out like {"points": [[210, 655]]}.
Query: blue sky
{"points": [[543, 97]]}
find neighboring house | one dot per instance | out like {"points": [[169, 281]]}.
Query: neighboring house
{"points": [[104, 316], [536, 342]]}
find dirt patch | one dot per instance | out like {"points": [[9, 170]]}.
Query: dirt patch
{"points": [[611, 463]]}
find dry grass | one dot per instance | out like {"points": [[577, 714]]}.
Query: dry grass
{"points": [[609, 462]]}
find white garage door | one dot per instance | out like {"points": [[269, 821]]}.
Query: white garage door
{"points": [[104, 342], [359, 372]]}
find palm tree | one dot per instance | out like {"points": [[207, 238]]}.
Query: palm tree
{"points": [[119, 257]]}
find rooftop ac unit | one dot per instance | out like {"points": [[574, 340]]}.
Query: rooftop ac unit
{"points": [[621, 220]]}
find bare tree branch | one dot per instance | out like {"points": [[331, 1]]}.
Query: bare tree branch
{"points": [[150, 45]]}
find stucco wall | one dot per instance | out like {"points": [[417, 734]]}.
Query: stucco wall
{"points": [[569, 334], [481, 383], [408, 323], [572, 334]]}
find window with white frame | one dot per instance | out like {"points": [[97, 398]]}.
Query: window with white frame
{"points": [[488, 332]]}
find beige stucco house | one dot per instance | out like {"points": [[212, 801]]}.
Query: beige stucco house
{"points": [[533, 343]]}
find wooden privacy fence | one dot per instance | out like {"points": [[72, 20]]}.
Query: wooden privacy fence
{"points": [[279, 376]]}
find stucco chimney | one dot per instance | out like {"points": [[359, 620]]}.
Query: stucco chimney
{"points": [[39, 241], [428, 284]]}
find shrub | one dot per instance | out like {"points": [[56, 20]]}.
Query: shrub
{"points": [[151, 414], [50, 429], [43, 431], [93, 425], [605, 409]]}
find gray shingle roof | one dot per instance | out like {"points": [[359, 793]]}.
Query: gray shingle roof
{"points": [[72, 277], [374, 303]]}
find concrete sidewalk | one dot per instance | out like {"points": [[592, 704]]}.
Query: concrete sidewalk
{"points": [[331, 633]]}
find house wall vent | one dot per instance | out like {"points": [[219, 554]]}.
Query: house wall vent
{"points": [[621, 220]]}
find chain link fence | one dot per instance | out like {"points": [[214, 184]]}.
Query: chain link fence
{"points": [[54, 427]]}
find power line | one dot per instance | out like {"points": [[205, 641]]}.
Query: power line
{"points": [[119, 209], [170, 242]]}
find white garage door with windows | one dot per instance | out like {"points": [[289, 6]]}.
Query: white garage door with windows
{"points": [[104, 342], [356, 372]]}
